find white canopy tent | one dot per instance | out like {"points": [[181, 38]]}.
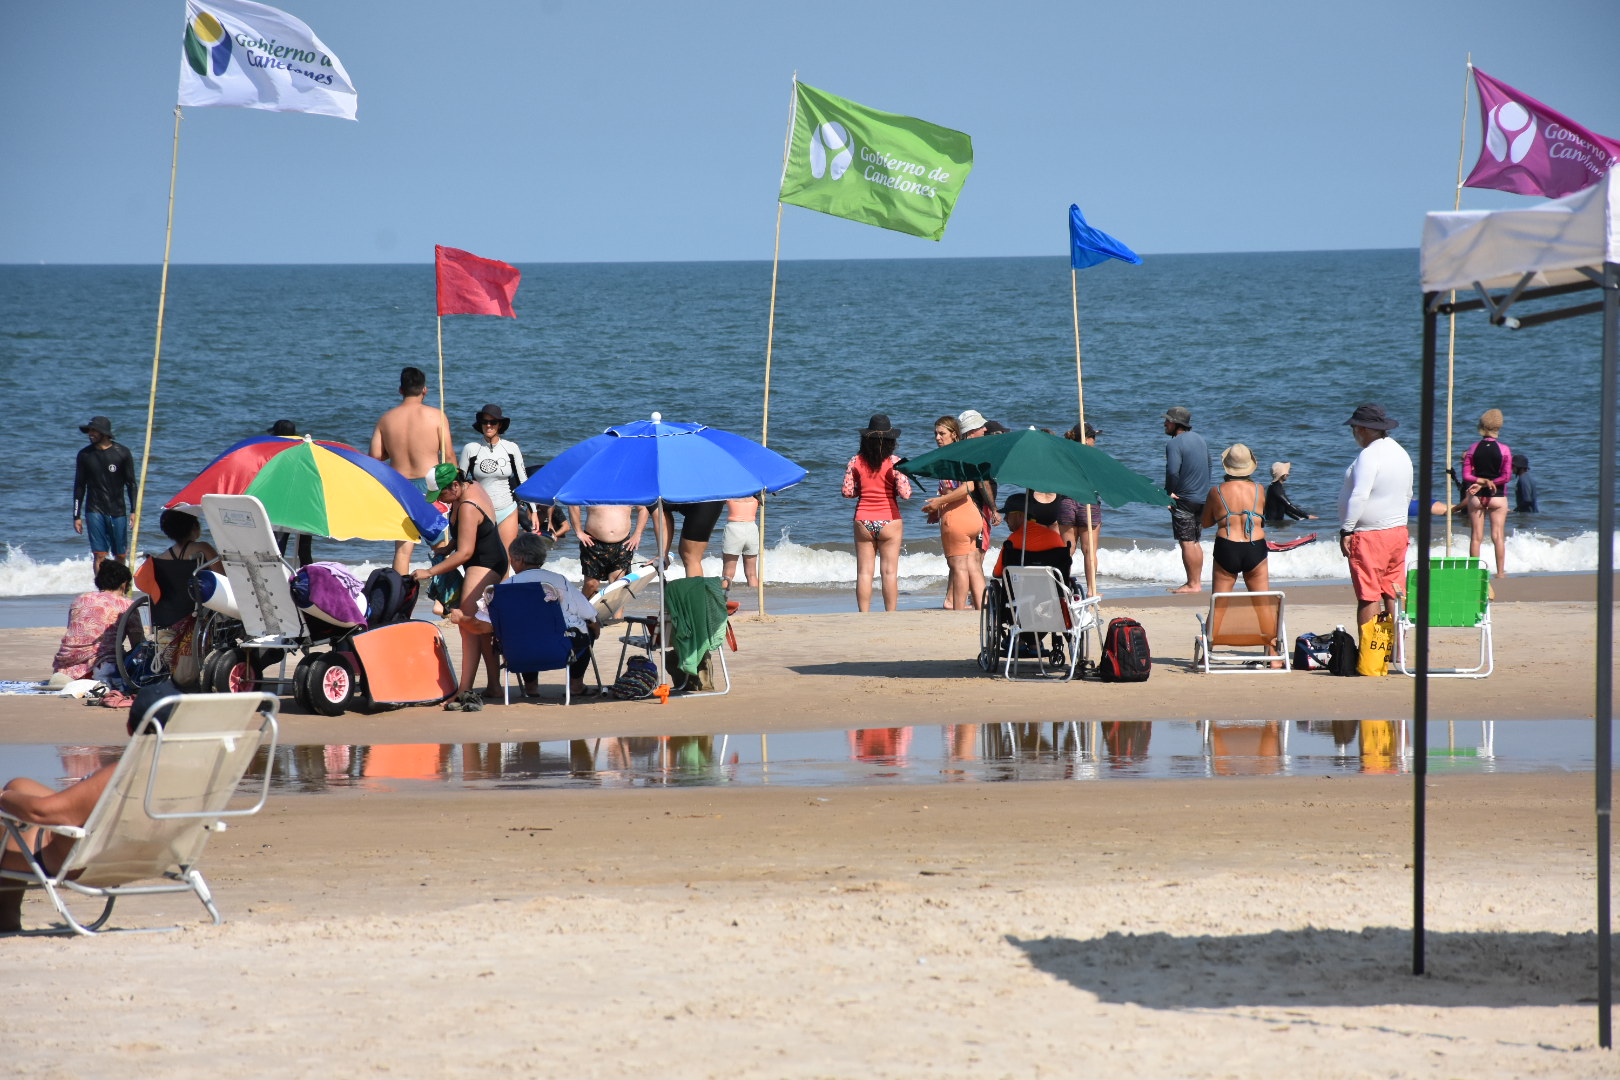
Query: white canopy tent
{"points": [[1508, 258]]}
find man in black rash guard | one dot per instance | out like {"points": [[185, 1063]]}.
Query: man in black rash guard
{"points": [[103, 472]]}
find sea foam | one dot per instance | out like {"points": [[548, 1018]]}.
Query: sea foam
{"points": [[789, 563]]}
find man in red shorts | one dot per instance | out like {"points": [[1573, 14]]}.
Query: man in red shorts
{"points": [[1373, 505]]}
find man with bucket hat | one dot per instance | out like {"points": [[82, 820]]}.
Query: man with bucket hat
{"points": [[1186, 481], [103, 472], [1373, 506]]}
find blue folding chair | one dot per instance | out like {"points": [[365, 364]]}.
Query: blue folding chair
{"points": [[530, 634]]}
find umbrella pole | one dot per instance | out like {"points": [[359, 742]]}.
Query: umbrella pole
{"points": [[759, 560], [157, 348], [664, 636]]}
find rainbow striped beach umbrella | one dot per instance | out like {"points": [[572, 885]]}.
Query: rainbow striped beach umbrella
{"points": [[320, 488]]}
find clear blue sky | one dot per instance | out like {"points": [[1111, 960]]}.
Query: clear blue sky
{"points": [[563, 130]]}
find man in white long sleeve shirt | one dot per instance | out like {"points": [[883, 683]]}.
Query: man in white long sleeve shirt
{"points": [[1373, 506]]}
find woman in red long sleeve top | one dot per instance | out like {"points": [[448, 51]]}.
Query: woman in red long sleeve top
{"points": [[871, 479], [1488, 501]]}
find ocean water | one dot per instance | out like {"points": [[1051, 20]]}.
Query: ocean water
{"points": [[1270, 349]]}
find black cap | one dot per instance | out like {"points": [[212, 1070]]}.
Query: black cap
{"points": [[282, 427]]}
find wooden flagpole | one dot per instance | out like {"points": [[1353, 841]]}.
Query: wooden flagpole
{"points": [[770, 337], [441, 370], [1080, 393], [157, 347], [1451, 336]]}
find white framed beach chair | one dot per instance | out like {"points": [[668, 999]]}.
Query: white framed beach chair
{"points": [[1039, 601], [1459, 598], [171, 790], [1238, 623]]}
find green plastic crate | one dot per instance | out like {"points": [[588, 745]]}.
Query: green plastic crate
{"points": [[1459, 589]]}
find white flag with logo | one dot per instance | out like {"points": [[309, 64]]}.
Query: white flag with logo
{"points": [[256, 57]]}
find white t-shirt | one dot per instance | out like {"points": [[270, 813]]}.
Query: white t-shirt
{"points": [[1377, 491], [492, 467], [577, 611]]}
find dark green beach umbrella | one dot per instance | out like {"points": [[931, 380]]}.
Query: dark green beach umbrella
{"points": [[1039, 462]]}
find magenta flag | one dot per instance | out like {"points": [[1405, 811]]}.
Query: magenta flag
{"points": [[1530, 149]]}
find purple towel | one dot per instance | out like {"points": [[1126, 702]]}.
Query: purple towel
{"points": [[329, 591]]}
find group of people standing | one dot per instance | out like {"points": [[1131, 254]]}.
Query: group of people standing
{"points": [[965, 512]]}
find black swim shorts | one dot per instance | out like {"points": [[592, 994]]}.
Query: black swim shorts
{"points": [[604, 557], [1185, 520]]}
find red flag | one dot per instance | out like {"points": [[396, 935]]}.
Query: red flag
{"points": [[469, 285], [1530, 149]]}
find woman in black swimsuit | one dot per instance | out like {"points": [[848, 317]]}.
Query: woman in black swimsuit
{"points": [[482, 560], [1236, 509]]}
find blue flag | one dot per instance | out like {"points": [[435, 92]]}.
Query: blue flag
{"points": [[1088, 246]]}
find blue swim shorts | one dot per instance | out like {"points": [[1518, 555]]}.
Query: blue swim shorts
{"points": [[107, 532]]}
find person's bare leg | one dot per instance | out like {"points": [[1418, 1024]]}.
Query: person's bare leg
{"points": [[888, 545], [1088, 546], [865, 559], [956, 582], [1476, 527], [402, 557], [692, 557], [1221, 580], [508, 531], [975, 579], [728, 570], [751, 570], [473, 646], [1192, 560], [1499, 509]]}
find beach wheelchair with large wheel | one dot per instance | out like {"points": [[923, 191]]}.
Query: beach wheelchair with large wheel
{"points": [[1032, 615], [376, 656]]}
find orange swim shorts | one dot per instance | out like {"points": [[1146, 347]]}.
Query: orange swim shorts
{"points": [[1378, 562]]}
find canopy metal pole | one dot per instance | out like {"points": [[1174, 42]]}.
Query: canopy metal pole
{"points": [[1420, 685], [1605, 641], [157, 348]]}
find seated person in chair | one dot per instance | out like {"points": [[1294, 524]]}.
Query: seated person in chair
{"points": [[32, 801], [527, 555]]}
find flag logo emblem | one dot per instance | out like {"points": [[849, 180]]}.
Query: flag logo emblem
{"points": [[208, 46], [1504, 120], [830, 137]]}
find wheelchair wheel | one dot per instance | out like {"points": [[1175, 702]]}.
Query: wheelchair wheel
{"points": [[228, 671], [141, 663], [992, 628], [303, 692], [333, 685]]}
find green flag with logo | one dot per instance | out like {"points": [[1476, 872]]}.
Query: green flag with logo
{"points": [[892, 171]]}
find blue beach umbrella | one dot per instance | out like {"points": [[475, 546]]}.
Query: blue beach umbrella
{"points": [[649, 461]]}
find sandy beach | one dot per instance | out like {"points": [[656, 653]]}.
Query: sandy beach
{"points": [[1230, 927]]}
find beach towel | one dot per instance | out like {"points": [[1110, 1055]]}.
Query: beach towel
{"points": [[329, 591], [697, 607]]}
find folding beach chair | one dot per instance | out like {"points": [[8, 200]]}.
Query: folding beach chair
{"points": [[700, 630], [1459, 597], [530, 632], [170, 790], [1242, 621], [1039, 601]]}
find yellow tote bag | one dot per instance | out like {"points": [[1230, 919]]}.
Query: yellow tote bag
{"points": [[1377, 641]]}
